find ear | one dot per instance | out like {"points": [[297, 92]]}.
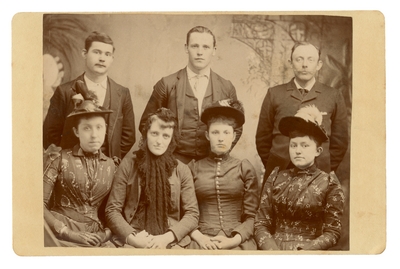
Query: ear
{"points": [[214, 51], [234, 136], [319, 65], [75, 132], [84, 53], [207, 135], [186, 49], [319, 151]]}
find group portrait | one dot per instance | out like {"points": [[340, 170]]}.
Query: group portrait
{"points": [[191, 132]]}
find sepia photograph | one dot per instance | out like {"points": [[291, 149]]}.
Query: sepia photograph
{"points": [[201, 133]]}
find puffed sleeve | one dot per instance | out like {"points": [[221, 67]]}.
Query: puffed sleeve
{"points": [[332, 217], [264, 224], [250, 201]]}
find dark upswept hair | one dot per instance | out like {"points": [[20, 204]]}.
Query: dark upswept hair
{"points": [[167, 116], [304, 43], [297, 133], [222, 118], [200, 29], [99, 37]]}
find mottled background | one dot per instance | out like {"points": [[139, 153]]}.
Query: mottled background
{"points": [[252, 51]]}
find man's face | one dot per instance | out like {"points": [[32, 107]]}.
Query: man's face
{"points": [[303, 151], [200, 50], [221, 135], [99, 58], [159, 136], [91, 133], [305, 62]]}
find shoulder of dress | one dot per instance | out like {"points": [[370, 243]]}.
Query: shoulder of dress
{"points": [[333, 177]]}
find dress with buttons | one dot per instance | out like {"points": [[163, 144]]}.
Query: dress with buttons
{"points": [[227, 195]]}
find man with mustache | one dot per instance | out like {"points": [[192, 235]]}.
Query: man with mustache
{"points": [[188, 91], [284, 100], [94, 84]]}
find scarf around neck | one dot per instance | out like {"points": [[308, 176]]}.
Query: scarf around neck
{"points": [[155, 172]]}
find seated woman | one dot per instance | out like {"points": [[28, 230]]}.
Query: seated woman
{"points": [[152, 202], [77, 180], [226, 187], [300, 208]]}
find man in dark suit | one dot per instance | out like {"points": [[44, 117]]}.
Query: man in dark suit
{"points": [[188, 91], [284, 100], [98, 55]]}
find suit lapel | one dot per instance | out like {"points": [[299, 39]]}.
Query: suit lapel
{"points": [[295, 93], [315, 91]]}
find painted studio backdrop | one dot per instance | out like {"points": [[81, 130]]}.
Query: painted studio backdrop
{"points": [[252, 52]]}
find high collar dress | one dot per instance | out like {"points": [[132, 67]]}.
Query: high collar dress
{"points": [[227, 195]]}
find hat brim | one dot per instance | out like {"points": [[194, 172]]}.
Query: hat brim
{"points": [[290, 124], [81, 113], [226, 111]]}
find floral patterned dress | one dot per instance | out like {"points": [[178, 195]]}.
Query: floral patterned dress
{"points": [[74, 187], [299, 210]]}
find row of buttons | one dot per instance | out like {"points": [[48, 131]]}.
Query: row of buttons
{"points": [[218, 192]]}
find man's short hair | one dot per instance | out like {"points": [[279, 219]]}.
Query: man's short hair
{"points": [[200, 29], [304, 43], [99, 37]]}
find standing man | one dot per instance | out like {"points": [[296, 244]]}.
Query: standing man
{"points": [[94, 84], [188, 91], [284, 100]]}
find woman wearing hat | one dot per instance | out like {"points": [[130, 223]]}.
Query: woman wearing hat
{"points": [[77, 180], [300, 208], [226, 187]]}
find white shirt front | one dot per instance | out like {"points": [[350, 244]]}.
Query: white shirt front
{"points": [[199, 84], [309, 85], [98, 88]]}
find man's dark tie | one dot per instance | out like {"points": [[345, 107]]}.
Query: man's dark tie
{"points": [[303, 91]]}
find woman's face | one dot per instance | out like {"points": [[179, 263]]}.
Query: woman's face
{"points": [[221, 135], [159, 136], [303, 151], [91, 133]]}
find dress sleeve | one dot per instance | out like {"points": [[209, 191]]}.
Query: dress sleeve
{"points": [[116, 201], [264, 225], [332, 217], [188, 204], [250, 201], [50, 176]]}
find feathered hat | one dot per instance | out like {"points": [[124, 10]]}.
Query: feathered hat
{"points": [[84, 101], [228, 108], [307, 120]]}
